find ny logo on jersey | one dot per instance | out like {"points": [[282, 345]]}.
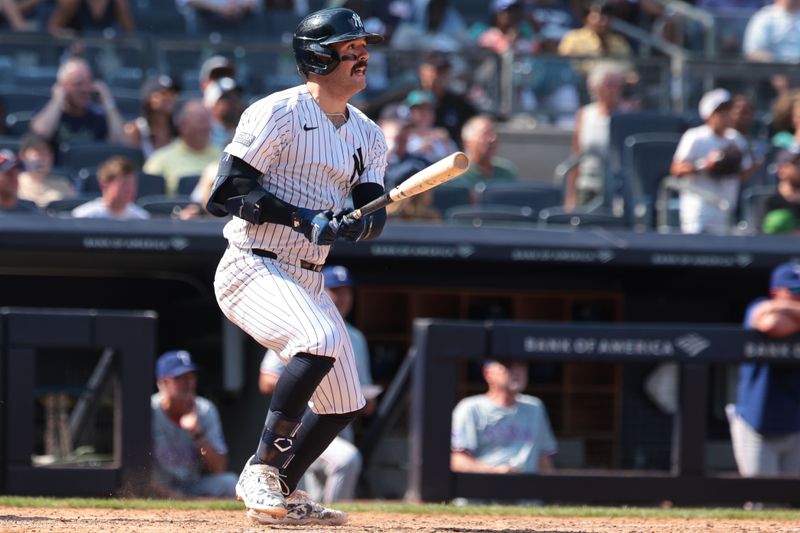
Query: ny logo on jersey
{"points": [[357, 21], [358, 165]]}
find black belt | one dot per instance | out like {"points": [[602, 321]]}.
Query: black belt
{"points": [[273, 255]]}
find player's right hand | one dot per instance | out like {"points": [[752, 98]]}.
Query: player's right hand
{"points": [[315, 224]]}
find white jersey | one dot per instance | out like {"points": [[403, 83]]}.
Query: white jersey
{"points": [[305, 161]]}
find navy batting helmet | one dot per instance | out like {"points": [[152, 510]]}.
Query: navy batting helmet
{"points": [[318, 31]]}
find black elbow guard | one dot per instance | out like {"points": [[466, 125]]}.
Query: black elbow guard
{"points": [[249, 206]]}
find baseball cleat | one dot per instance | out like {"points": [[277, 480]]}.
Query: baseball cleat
{"points": [[302, 510], [259, 487]]}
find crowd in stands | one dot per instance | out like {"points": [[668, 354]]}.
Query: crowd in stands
{"points": [[176, 130]]}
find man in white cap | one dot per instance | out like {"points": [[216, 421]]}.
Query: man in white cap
{"points": [[714, 159]]}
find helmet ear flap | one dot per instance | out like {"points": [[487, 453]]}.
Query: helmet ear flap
{"points": [[316, 58]]}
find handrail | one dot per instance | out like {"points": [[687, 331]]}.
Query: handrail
{"points": [[672, 183], [651, 40]]}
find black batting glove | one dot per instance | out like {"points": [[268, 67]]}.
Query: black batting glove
{"points": [[348, 228], [315, 224]]}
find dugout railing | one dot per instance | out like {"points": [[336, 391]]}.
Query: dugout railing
{"points": [[125, 342], [440, 345]]}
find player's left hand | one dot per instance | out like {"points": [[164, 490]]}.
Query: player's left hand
{"points": [[347, 227]]}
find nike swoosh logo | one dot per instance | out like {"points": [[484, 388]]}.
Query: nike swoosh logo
{"points": [[305, 127]]}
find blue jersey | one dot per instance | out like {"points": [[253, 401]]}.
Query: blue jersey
{"points": [[768, 398]]}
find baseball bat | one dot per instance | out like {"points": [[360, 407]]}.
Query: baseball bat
{"points": [[429, 177]]}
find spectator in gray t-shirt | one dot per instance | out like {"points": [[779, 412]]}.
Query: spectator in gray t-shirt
{"points": [[189, 450]]}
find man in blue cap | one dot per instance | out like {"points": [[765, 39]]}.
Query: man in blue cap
{"points": [[334, 475], [190, 453], [765, 422]]}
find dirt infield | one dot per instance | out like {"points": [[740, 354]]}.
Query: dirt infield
{"points": [[57, 520]]}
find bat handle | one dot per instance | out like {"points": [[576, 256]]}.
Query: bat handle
{"points": [[355, 214]]}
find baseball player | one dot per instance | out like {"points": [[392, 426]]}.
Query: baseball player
{"points": [[295, 158]]}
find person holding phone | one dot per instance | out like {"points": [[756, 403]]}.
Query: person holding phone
{"points": [[80, 109]]}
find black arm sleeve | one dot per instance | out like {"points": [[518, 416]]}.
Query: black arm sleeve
{"points": [[362, 195], [238, 193]]}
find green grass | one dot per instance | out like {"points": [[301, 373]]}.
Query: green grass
{"points": [[401, 507]]}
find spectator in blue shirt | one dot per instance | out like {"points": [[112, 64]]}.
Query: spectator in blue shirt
{"points": [[765, 422], [772, 34]]}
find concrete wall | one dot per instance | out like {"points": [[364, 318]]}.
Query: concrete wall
{"points": [[535, 151]]}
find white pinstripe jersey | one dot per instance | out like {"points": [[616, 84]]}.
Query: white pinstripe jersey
{"points": [[305, 161]]}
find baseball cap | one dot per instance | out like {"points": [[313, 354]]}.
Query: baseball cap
{"points": [[216, 89], [436, 58], [786, 276], [159, 83], [420, 97], [174, 363], [336, 276], [502, 5], [712, 101], [8, 160], [788, 155], [216, 67]]}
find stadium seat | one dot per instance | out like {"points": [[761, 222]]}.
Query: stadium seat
{"points": [[646, 160], [18, 124], [93, 153], [623, 125], [163, 206], [32, 99], [753, 206], [186, 184], [580, 219], [9, 143], [490, 215], [448, 196], [65, 205], [531, 195]]}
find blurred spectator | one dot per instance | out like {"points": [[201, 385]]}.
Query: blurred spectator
{"points": [[786, 120], [118, 181], [714, 159], [551, 17], [595, 38], [435, 25], [10, 204], [190, 456], [189, 154], [214, 68], [507, 29], [78, 17], [223, 99], [155, 127], [503, 430], [72, 115], [401, 165], [480, 144], [425, 140], [452, 109], [742, 118], [591, 135], [731, 17], [782, 209], [334, 475], [35, 181], [552, 92], [765, 421], [19, 15], [217, 15], [771, 33]]}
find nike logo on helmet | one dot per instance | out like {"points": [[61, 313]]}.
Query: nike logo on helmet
{"points": [[307, 128]]}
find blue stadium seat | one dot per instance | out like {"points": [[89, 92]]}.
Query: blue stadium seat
{"points": [[65, 205], [646, 160], [490, 215], [163, 206], [93, 153], [186, 184], [531, 195], [753, 206], [580, 219], [448, 196]]}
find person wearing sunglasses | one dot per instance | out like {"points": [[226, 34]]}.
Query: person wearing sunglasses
{"points": [[765, 421]]}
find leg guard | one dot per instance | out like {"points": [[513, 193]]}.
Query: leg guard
{"points": [[316, 433]]}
